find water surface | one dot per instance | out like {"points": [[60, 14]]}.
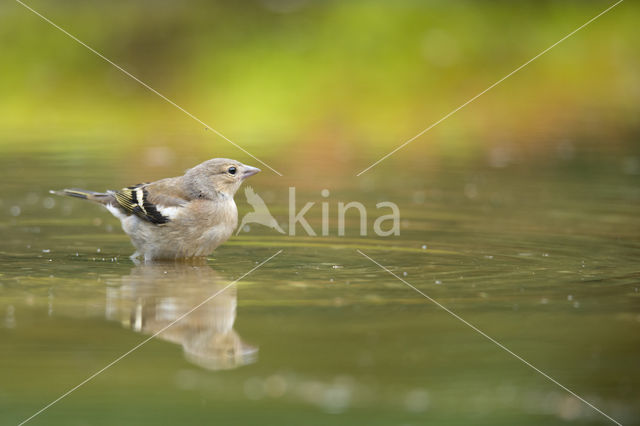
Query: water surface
{"points": [[543, 258]]}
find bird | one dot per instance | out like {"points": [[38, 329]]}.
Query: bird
{"points": [[181, 217], [260, 213], [156, 300]]}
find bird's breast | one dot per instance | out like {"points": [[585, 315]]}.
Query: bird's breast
{"points": [[214, 220]]}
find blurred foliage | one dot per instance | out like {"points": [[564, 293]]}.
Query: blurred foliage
{"points": [[312, 75]]}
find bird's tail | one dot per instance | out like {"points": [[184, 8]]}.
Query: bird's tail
{"points": [[98, 197]]}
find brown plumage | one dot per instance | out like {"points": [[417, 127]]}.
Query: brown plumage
{"points": [[179, 217]]}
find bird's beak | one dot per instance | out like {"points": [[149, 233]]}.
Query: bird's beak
{"points": [[249, 171]]}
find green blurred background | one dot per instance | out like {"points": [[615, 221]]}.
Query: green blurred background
{"points": [[519, 212], [329, 81]]}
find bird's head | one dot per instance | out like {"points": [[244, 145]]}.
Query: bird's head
{"points": [[217, 176]]}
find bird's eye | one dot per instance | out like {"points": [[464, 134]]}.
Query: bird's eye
{"points": [[232, 170]]}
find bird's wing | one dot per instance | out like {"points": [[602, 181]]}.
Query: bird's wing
{"points": [[142, 201], [167, 193]]}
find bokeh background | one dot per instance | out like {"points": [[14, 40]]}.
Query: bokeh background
{"points": [[326, 82], [519, 212]]}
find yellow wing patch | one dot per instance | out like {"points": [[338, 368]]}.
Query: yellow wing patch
{"points": [[134, 200]]}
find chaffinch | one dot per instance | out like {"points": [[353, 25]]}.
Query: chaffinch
{"points": [[153, 297], [180, 217]]}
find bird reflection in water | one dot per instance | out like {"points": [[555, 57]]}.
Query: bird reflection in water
{"points": [[154, 295]]}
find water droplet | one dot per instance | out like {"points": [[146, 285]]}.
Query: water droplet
{"points": [[48, 203]]}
